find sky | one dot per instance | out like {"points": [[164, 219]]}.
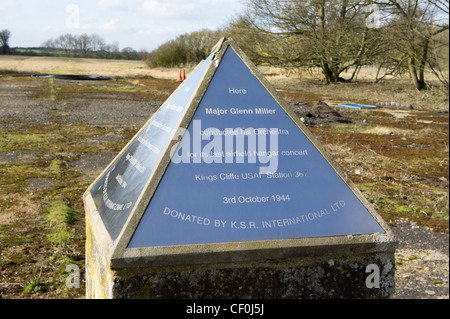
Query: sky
{"points": [[140, 24]]}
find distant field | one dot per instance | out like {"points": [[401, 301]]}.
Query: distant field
{"points": [[60, 65], [33, 51]]}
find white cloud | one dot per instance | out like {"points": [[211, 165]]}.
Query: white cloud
{"points": [[110, 4], [47, 29], [8, 4], [153, 37], [168, 10], [110, 26]]}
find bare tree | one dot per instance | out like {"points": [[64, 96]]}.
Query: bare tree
{"points": [[330, 34], [414, 28], [5, 35], [439, 58], [83, 43], [97, 43], [250, 40], [441, 5], [65, 42]]}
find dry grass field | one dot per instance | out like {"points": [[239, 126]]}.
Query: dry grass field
{"points": [[57, 136], [55, 65]]}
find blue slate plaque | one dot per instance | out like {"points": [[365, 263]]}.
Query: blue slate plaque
{"points": [[244, 171], [117, 191]]}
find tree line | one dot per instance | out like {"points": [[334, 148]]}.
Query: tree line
{"points": [[338, 37], [88, 46], [83, 45]]}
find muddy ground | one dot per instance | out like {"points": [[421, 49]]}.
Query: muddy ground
{"points": [[57, 137]]}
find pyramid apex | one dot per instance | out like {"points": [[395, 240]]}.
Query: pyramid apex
{"points": [[216, 48], [223, 43]]}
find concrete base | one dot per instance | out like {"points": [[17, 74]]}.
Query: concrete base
{"points": [[292, 279], [351, 276]]}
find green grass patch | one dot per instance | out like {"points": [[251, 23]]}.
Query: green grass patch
{"points": [[37, 285], [61, 216], [13, 176], [12, 142], [60, 212]]}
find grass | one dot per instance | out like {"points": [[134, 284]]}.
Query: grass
{"points": [[60, 217], [105, 67], [394, 89], [36, 286], [35, 254], [402, 170], [23, 141], [41, 232]]}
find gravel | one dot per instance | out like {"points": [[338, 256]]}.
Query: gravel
{"points": [[422, 259]]}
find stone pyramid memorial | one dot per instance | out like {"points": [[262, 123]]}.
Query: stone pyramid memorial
{"points": [[225, 172]]}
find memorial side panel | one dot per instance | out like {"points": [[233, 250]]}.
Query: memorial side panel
{"points": [[117, 191]]}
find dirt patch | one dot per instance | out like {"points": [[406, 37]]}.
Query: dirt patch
{"points": [[401, 166], [92, 164], [401, 114], [39, 184], [422, 262], [101, 139], [14, 90], [321, 113], [19, 156]]}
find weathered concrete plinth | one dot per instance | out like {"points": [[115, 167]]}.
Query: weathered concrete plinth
{"points": [[347, 267], [295, 278]]}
